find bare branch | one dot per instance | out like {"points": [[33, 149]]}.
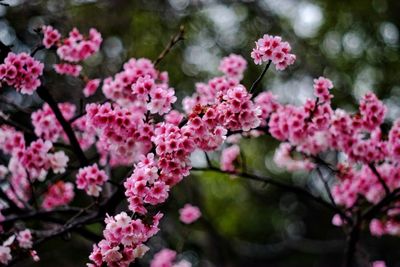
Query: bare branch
{"points": [[174, 40]]}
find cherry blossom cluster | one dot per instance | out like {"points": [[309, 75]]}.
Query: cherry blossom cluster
{"points": [[123, 240], [123, 133], [167, 258], [233, 66], [68, 69], [38, 160], [50, 36], [45, 123], [77, 47], [91, 179], [59, 194], [272, 48], [140, 86], [21, 239], [22, 72]]}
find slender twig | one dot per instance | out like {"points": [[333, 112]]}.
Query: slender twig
{"points": [[374, 210], [33, 214], [174, 40], [48, 98], [8, 102], [35, 203], [377, 174], [256, 82], [17, 126], [37, 49], [288, 187], [209, 164], [327, 189]]}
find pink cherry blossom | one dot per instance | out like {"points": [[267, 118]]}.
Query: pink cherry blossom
{"points": [[24, 239], [58, 194], [51, 36], [77, 47], [189, 214], [68, 69], [233, 66], [22, 72], [228, 156], [91, 179], [91, 87], [272, 48]]}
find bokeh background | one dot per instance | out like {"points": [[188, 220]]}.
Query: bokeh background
{"points": [[355, 43]]}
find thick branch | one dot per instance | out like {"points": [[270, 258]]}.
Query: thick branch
{"points": [[46, 96]]}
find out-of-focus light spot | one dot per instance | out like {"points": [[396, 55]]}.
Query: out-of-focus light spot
{"points": [[204, 59], [55, 6], [353, 44], [305, 17], [179, 4], [7, 34], [222, 16], [393, 107], [14, 2], [2, 11], [364, 82], [389, 33], [113, 47], [294, 91], [332, 43], [198, 159], [308, 20], [35, 23]]}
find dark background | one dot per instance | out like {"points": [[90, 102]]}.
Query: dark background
{"points": [[355, 43]]}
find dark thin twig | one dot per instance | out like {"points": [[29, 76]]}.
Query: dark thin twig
{"points": [[174, 40], [37, 49], [8, 102], [327, 189], [47, 97], [374, 210], [377, 174], [256, 82], [209, 164], [17, 126], [35, 203], [352, 240]]}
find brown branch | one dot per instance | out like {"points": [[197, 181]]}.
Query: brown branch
{"points": [[174, 40], [48, 98], [351, 246], [17, 126], [380, 179], [285, 186], [327, 189]]}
